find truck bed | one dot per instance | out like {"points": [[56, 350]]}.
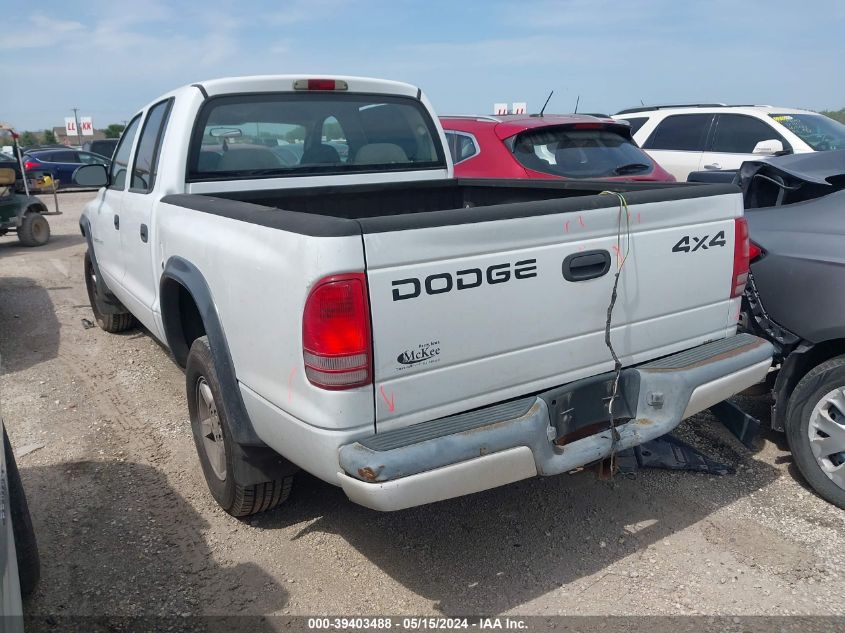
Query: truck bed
{"points": [[388, 200], [442, 262]]}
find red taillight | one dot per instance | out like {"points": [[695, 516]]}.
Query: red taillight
{"points": [[336, 342], [741, 257], [754, 251], [588, 126], [30, 165], [320, 84]]}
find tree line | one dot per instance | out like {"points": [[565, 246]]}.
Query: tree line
{"points": [[47, 137], [836, 115], [332, 130]]}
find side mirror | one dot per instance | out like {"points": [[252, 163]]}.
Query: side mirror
{"points": [[7, 177], [768, 148], [91, 176]]}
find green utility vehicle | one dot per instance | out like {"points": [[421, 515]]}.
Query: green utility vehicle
{"points": [[21, 212]]}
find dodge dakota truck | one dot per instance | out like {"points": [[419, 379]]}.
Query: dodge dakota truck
{"points": [[341, 304]]}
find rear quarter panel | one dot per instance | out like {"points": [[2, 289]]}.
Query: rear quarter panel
{"points": [[259, 278]]}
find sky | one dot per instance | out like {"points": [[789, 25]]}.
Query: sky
{"points": [[109, 58]]}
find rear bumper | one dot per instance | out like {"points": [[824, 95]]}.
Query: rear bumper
{"points": [[491, 447]]}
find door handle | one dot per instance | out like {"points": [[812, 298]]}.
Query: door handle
{"points": [[586, 265], [144, 233], [713, 166], [117, 221]]}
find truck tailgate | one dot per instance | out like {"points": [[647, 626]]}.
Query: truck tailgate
{"points": [[479, 306]]}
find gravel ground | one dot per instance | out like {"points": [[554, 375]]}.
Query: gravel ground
{"points": [[126, 526]]}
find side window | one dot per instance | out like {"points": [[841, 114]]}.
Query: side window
{"points": [[451, 141], [738, 134], [120, 160], [682, 132], [636, 123], [466, 147], [146, 157], [64, 156], [461, 146], [91, 159]]}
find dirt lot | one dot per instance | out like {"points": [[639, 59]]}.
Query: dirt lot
{"points": [[126, 526]]}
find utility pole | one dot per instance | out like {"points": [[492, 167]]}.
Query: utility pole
{"points": [[78, 131]]}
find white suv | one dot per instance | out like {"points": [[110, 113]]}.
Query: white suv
{"points": [[686, 138]]}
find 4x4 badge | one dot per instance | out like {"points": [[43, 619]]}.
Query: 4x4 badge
{"points": [[684, 244]]}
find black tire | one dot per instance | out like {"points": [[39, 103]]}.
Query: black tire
{"points": [[808, 393], [26, 547], [112, 323], [34, 229], [238, 498]]}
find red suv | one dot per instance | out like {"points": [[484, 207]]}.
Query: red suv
{"points": [[550, 146]]}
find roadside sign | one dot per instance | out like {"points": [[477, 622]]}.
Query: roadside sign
{"points": [[520, 108], [70, 126], [500, 108], [87, 126]]}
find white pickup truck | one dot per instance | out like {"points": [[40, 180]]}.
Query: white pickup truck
{"points": [[341, 304]]}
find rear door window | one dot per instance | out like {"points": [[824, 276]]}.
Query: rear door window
{"points": [[738, 134], [273, 135], [681, 132], [146, 157], [120, 160]]}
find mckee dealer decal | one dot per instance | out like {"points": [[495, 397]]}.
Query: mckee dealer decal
{"points": [[422, 354]]}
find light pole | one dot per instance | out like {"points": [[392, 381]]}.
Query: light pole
{"points": [[78, 131]]}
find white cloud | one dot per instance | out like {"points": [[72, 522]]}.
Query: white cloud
{"points": [[300, 11], [40, 28], [52, 26]]}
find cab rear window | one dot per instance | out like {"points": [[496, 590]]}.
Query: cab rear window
{"points": [[272, 135]]}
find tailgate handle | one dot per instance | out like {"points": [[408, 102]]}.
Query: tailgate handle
{"points": [[586, 265]]}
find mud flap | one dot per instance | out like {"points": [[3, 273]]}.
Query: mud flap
{"points": [[738, 422], [255, 465]]}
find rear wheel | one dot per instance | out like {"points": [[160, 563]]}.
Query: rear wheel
{"points": [[34, 229], [815, 429], [222, 459], [109, 322]]}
